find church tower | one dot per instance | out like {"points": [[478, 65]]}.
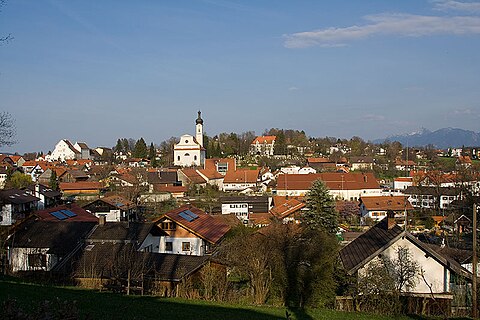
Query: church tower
{"points": [[199, 129]]}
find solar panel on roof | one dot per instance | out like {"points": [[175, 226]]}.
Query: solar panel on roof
{"points": [[185, 216], [191, 214], [58, 215], [68, 213], [119, 204]]}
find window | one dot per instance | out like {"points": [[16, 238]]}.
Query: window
{"points": [[37, 260], [178, 158], [185, 246], [187, 154], [168, 225], [194, 157], [168, 246]]}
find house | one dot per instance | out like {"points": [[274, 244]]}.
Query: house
{"points": [[321, 164], [361, 163], [47, 197], [432, 197], [41, 245], [241, 179], [190, 176], [463, 161], [16, 205], [404, 165], [437, 274], [81, 188], [263, 146], [18, 160], [245, 207], [289, 211], [189, 151], [83, 150], [3, 176], [402, 183], [190, 231], [221, 165], [346, 186], [112, 260], [64, 150], [73, 176], [377, 207], [113, 208]]}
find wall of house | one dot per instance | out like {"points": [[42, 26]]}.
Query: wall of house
{"points": [[110, 216], [151, 244], [18, 259], [436, 278], [197, 246], [238, 186], [6, 218]]}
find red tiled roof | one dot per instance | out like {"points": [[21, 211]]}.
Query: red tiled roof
{"points": [[333, 181], [264, 139], [395, 203], [171, 189], [81, 214], [318, 160], [211, 164], [289, 207], [205, 226], [211, 174], [193, 176], [242, 176]]}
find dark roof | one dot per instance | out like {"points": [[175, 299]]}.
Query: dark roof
{"points": [[369, 244], [114, 202], [17, 196], [167, 177], [46, 191], [60, 237], [63, 213], [123, 232], [427, 190], [114, 259]]}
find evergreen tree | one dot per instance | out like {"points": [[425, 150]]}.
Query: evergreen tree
{"points": [[53, 183], [152, 155], [321, 213], [140, 150], [119, 146]]}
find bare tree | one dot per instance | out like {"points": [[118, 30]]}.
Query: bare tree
{"points": [[7, 128]]}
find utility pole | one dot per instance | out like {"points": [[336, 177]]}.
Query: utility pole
{"points": [[474, 264]]}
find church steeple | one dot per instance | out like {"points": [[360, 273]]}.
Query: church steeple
{"points": [[199, 129], [199, 119]]}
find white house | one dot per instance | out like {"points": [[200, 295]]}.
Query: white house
{"points": [[64, 150], [189, 151], [263, 145]]}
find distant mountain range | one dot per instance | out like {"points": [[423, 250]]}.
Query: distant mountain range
{"points": [[442, 138]]}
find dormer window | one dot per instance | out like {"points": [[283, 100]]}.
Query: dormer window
{"points": [[186, 141]]}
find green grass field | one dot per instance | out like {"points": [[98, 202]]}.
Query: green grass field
{"points": [[101, 305]]}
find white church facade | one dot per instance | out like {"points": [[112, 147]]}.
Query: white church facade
{"points": [[189, 152]]}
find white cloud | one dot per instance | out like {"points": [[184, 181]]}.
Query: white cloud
{"points": [[447, 5], [466, 111], [406, 25], [293, 88]]}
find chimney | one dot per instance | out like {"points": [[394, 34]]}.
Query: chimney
{"points": [[391, 220], [101, 220]]}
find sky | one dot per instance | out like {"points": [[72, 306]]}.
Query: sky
{"points": [[95, 71]]}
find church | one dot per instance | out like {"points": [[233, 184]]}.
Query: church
{"points": [[189, 152]]}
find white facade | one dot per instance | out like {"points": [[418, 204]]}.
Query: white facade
{"points": [[240, 210], [435, 276], [186, 246], [32, 259], [351, 195], [190, 151], [63, 151]]}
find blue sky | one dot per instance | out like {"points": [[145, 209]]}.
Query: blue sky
{"points": [[95, 71]]}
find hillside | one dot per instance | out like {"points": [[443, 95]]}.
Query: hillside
{"points": [[64, 301]]}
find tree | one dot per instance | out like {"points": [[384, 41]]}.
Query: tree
{"points": [[7, 129], [321, 213], [53, 183], [18, 180], [140, 150], [152, 155]]}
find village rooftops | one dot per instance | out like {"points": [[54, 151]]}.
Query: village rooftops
{"points": [[66, 213], [197, 222], [333, 181]]}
